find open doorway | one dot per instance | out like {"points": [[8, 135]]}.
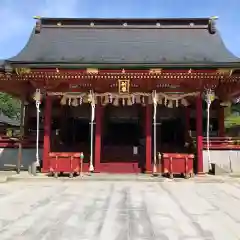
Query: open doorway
{"points": [[70, 129], [122, 132], [170, 130]]}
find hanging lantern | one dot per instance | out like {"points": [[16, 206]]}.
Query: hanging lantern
{"points": [[37, 96], [209, 96]]}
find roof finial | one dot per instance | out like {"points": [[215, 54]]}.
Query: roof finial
{"points": [[214, 17], [211, 25], [37, 17]]}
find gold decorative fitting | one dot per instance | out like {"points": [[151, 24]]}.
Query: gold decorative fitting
{"points": [[225, 71], [123, 86], [123, 70], [21, 71], [92, 70], [155, 70], [190, 71]]}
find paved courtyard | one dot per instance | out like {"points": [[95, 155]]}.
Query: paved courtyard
{"points": [[119, 210]]}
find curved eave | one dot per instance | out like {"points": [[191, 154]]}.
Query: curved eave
{"points": [[73, 65]]}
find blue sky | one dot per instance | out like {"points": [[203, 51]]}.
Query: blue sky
{"points": [[16, 16]]}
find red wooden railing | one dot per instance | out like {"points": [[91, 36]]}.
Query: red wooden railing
{"points": [[215, 142], [11, 142], [222, 143]]}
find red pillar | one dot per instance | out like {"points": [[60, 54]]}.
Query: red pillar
{"points": [[199, 132], [221, 127], [47, 133], [187, 123], [98, 137], [148, 135]]}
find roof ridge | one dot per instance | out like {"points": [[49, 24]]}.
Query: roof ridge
{"points": [[121, 21]]}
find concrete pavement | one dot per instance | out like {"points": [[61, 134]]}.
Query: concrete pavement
{"points": [[120, 210]]}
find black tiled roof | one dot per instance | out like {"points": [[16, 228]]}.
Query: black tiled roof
{"points": [[1, 64], [124, 41], [6, 120]]}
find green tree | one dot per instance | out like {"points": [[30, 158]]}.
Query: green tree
{"points": [[9, 106]]}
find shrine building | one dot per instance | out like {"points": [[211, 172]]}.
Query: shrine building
{"points": [[122, 91]]}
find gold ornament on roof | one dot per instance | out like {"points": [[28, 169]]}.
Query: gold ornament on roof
{"points": [[225, 71], [21, 71], [92, 70], [155, 71]]}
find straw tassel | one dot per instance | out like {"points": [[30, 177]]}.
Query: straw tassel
{"points": [[63, 101], [160, 101], [80, 100], [106, 100], [69, 101], [116, 102], [170, 104], [165, 101], [129, 102], [150, 100], [85, 99], [138, 99], [184, 102], [75, 102]]}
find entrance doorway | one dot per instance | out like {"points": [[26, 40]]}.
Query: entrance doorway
{"points": [[122, 131], [70, 130], [170, 130]]}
